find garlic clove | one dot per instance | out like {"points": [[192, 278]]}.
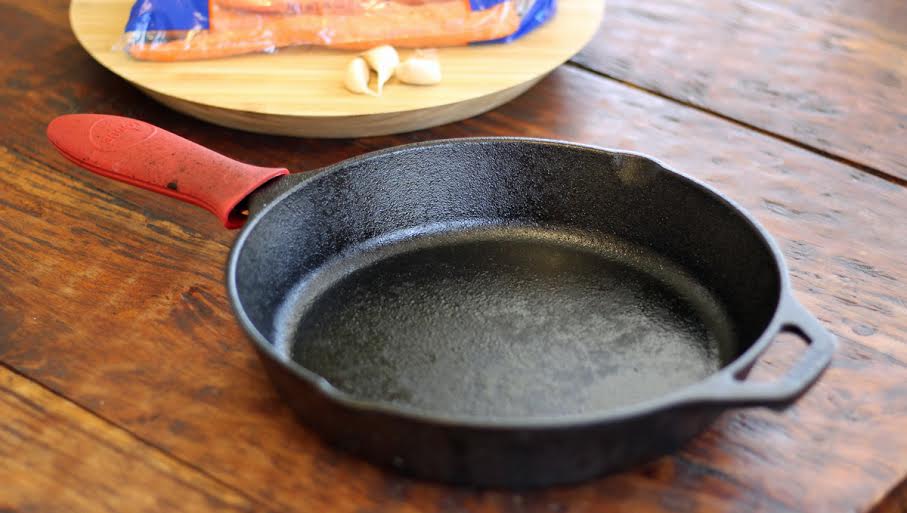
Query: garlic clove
{"points": [[420, 69], [384, 60], [356, 80]]}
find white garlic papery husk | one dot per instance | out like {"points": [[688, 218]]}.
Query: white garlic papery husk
{"points": [[384, 60], [423, 68], [356, 80]]}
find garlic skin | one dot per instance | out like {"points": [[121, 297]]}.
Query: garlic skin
{"points": [[384, 60], [420, 69], [356, 79]]}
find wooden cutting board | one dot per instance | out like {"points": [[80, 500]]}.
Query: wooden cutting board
{"points": [[299, 92]]}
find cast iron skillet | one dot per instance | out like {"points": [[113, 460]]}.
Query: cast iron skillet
{"points": [[492, 311]]}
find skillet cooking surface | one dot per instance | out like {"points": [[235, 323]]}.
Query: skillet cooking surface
{"points": [[504, 321]]}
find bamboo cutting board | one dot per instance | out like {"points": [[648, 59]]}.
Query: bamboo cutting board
{"points": [[299, 91]]}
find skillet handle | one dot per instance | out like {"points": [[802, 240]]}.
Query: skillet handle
{"points": [[729, 388], [149, 157]]}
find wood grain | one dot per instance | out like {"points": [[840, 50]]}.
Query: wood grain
{"points": [[299, 91], [831, 74], [116, 300], [56, 457]]}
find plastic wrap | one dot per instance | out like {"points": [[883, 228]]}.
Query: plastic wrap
{"points": [[175, 30]]}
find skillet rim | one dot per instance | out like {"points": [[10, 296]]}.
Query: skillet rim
{"points": [[690, 394]]}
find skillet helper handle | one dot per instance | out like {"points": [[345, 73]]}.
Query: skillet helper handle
{"points": [[152, 158], [731, 389]]}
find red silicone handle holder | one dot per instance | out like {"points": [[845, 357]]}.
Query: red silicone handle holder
{"points": [[149, 157]]}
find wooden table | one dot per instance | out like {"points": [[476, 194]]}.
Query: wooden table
{"points": [[126, 385]]}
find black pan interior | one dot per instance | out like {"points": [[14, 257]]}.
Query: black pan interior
{"points": [[504, 279]]}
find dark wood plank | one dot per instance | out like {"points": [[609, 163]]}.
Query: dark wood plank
{"points": [[119, 304], [56, 457], [895, 501], [829, 74], [115, 299]]}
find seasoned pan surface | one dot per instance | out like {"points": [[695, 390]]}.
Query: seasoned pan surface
{"points": [[501, 321]]}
